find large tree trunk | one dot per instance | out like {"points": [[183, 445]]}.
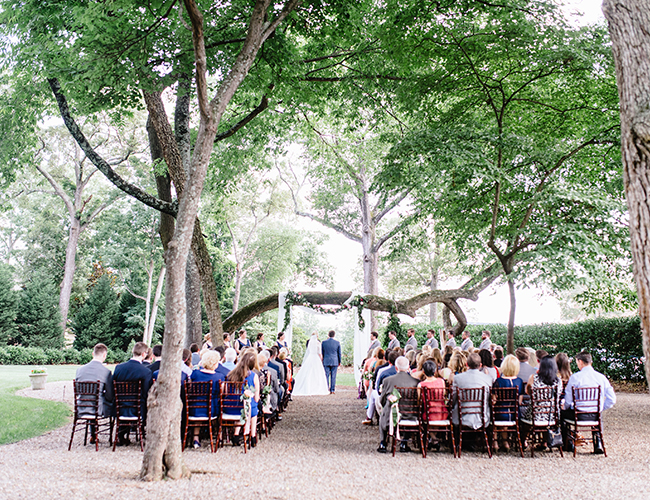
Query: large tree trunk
{"points": [[370, 252], [194, 333], [69, 269], [629, 22], [239, 275]]}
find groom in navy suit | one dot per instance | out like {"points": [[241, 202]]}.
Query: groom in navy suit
{"points": [[331, 359]]}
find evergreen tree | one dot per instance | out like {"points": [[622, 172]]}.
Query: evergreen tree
{"points": [[38, 319], [98, 319], [8, 305]]}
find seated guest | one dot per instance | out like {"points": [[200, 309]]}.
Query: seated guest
{"points": [[498, 356], [277, 366], [532, 358], [437, 409], [588, 377], [148, 357], [382, 373], [546, 376], [411, 355], [283, 358], [400, 379], [488, 364], [157, 353], [540, 354], [230, 356], [525, 369], [220, 350], [471, 379], [132, 371], [186, 367], [206, 373], [244, 371], [196, 357], [458, 363], [274, 383], [96, 371], [563, 367], [508, 378]]}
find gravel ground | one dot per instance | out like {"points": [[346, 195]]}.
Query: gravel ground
{"points": [[321, 450]]}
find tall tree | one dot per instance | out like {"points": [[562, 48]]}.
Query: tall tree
{"points": [[628, 27]]}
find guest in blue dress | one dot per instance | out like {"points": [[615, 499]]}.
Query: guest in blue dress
{"points": [[209, 362], [509, 378], [244, 372]]}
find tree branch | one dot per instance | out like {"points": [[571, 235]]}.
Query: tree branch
{"points": [[100, 163]]}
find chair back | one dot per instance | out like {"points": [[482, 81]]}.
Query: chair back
{"points": [[198, 398], [505, 403], [86, 398], [409, 402], [435, 403], [231, 397], [586, 400], [471, 405], [128, 398], [544, 401]]}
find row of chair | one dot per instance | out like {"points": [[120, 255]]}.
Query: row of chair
{"points": [[197, 398], [471, 405]]}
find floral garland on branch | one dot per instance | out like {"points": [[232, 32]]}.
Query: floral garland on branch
{"points": [[297, 299]]}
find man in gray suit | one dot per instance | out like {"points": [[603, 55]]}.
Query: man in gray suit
{"points": [[472, 379], [401, 379], [374, 343], [525, 370], [394, 343], [431, 340], [412, 341], [96, 371]]}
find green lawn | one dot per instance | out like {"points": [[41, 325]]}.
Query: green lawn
{"points": [[23, 418], [345, 380]]}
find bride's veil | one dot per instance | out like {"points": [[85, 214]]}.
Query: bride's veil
{"points": [[312, 345]]}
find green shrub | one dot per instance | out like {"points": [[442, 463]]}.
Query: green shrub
{"points": [[71, 356], [38, 318], [55, 356], [18, 355], [85, 356]]}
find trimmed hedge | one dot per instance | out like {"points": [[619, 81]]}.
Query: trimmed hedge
{"points": [[614, 343], [18, 355]]}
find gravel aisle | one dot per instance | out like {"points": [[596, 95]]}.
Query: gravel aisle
{"points": [[321, 450]]}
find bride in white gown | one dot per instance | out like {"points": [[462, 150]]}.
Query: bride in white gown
{"points": [[310, 379]]}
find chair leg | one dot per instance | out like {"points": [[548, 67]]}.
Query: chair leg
{"points": [[74, 425], [521, 450], [453, 440], [96, 434], [487, 441], [460, 442]]}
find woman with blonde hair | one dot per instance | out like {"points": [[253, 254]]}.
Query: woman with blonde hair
{"points": [[458, 363], [209, 361], [509, 378]]}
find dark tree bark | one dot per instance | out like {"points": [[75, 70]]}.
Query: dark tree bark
{"points": [[629, 28]]}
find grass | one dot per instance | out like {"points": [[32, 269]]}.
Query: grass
{"points": [[345, 380], [23, 418]]}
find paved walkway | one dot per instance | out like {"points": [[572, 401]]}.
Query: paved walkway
{"points": [[321, 450]]}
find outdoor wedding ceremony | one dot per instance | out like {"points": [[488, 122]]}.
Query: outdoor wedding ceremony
{"points": [[324, 249]]}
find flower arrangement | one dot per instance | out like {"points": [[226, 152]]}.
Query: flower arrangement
{"points": [[298, 299], [247, 399], [39, 370]]}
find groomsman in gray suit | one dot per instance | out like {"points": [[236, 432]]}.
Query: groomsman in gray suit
{"points": [[431, 340], [331, 359], [394, 343], [374, 343], [412, 341]]}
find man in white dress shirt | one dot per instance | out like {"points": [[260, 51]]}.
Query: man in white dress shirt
{"points": [[486, 341], [467, 343], [588, 377]]}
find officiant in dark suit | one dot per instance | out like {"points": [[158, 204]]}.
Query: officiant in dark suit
{"points": [[331, 359]]}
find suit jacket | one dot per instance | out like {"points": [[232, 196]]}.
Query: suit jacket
{"points": [[485, 344], [466, 344], [525, 371], [280, 369], [375, 343], [433, 343], [132, 371], [331, 352], [400, 379], [223, 370], [469, 380], [393, 344], [413, 342], [93, 372], [274, 395], [388, 372], [154, 366]]}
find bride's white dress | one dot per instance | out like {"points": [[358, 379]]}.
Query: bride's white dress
{"points": [[310, 379]]}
